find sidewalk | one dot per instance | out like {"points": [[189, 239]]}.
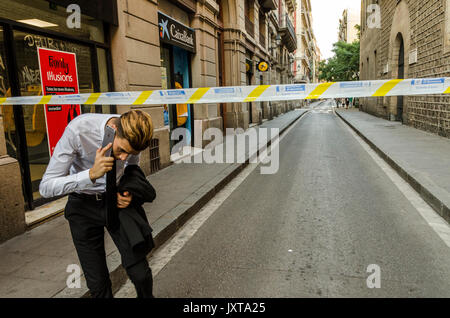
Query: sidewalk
{"points": [[421, 158], [34, 264]]}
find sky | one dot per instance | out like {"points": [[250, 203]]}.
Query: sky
{"points": [[326, 15]]}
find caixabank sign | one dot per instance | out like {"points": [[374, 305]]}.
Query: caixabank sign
{"points": [[175, 33]]}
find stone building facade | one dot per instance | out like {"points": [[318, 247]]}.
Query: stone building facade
{"points": [[407, 39], [256, 31], [307, 55], [347, 31], [122, 46]]}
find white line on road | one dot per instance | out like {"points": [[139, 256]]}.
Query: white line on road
{"points": [[167, 251], [434, 220]]}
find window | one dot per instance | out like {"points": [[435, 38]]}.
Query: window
{"points": [[26, 44], [36, 13], [7, 110], [262, 30], [249, 17], [43, 26]]}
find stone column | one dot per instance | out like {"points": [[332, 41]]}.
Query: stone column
{"points": [[135, 51], [204, 68], [12, 205], [236, 115]]}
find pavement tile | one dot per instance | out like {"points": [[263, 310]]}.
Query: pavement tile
{"points": [[54, 247], [62, 231], [25, 242], [13, 261], [14, 287], [47, 268]]}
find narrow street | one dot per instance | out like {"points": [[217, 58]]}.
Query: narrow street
{"points": [[224, 150], [312, 229]]}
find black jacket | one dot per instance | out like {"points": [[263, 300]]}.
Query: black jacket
{"points": [[135, 231]]}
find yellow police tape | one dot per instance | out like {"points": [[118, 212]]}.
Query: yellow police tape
{"points": [[242, 94]]}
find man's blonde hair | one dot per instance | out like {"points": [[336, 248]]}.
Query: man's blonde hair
{"points": [[136, 126]]}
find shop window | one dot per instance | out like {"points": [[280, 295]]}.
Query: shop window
{"points": [[26, 45], [7, 110], [44, 25], [39, 13], [166, 81]]}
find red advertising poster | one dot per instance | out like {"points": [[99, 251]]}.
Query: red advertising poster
{"points": [[58, 77]]}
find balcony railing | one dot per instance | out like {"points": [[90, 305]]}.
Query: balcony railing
{"points": [[249, 27], [268, 5], [289, 36], [290, 26]]}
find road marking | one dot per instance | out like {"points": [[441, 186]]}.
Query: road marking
{"points": [[434, 220], [168, 250]]}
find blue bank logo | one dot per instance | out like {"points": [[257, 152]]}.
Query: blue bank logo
{"points": [[164, 29]]}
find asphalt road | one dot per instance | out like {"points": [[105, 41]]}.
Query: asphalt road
{"points": [[312, 229]]}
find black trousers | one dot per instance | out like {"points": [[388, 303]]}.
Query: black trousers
{"points": [[87, 220]]}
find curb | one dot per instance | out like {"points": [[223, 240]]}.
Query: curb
{"points": [[440, 207], [165, 227]]}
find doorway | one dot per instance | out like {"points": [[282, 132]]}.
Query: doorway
{"points": [[401, 75], [176, 74]]}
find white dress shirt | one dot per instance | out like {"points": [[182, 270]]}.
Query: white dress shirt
{"points": [[74, 155]]}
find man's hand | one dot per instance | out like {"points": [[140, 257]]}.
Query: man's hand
{"points": [[102, 164], [123, 201]]}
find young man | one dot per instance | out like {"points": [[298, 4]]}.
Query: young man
{"points": [[78, 167]]}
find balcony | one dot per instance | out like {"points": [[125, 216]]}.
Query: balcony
{"points": [[287, 32], [268, 5], [273, 16], [249, 27]]}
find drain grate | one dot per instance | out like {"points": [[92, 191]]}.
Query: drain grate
{"points": [[155, 162]]}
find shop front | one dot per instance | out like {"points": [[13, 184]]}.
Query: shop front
{"points": [[177, 44], [25, 28]]}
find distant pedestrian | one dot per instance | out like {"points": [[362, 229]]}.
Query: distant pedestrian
{"points": [[347, 102]]}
